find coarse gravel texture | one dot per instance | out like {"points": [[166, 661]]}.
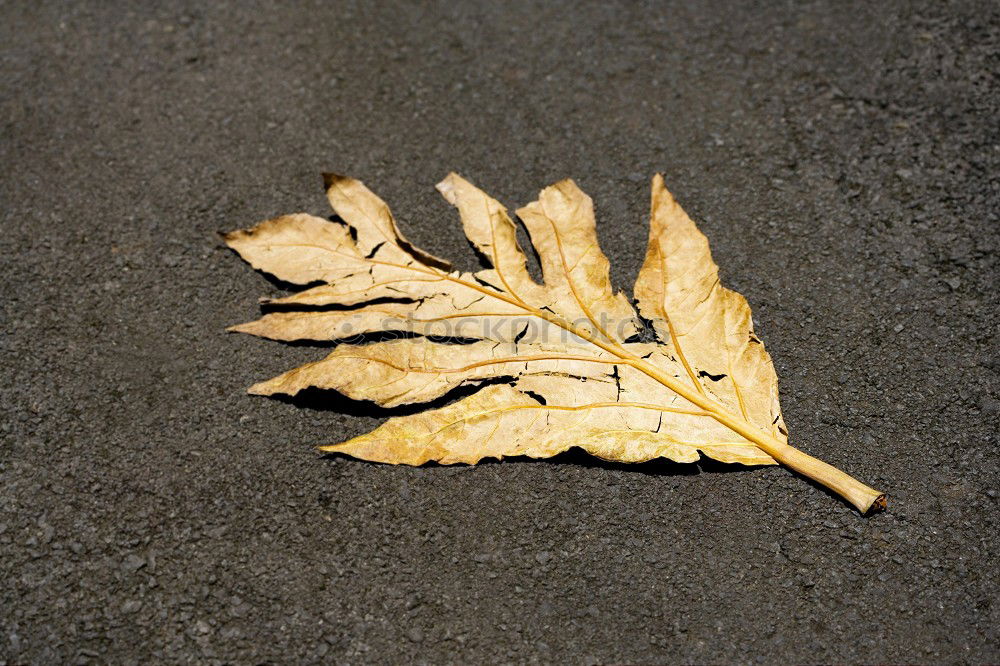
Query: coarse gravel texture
{"points": [[842, 158]]}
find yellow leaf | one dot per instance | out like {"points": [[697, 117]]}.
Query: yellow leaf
{"points": [[550, 366]]}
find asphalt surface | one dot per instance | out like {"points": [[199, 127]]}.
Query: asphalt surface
{"points": [[842, 159]]}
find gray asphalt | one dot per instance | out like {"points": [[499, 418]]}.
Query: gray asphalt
{"points": [[842, 158]]}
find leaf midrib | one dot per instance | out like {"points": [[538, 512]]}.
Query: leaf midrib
{"points": [[749, 431]]}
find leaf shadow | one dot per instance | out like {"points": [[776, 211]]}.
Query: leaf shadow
{"points": [[329, 400], [362, 339], [578, 457], [283, 285], [656, 467]]}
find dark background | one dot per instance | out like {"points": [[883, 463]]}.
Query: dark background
{"points": [[842, 159]]}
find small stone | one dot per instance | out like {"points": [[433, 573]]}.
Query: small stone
{"points": [[898, 328], [543, 557], [47, 532], [133, 563], [989, 406], [415, 635]]}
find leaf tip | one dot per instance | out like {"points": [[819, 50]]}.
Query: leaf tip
{"points": [[447, 188], [661, 196], [261, 388], [330, 179], [565, 185], [230, 237], [246, 327]]}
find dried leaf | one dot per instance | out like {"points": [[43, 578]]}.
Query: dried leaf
{"points": [[552, 365]]}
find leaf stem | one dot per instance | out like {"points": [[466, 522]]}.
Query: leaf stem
{"points": [[861, 496]]}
